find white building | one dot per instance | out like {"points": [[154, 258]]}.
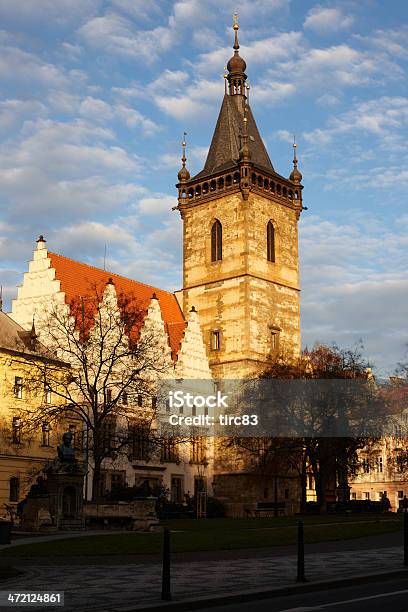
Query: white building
{"points": [[52, 278]]}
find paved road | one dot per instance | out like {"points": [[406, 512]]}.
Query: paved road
{"points": [[388, 595]]}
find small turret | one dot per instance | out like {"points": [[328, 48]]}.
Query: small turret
{"points": [[184, 175], [295, 175]]}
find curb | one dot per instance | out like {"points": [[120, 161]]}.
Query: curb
{"points": [[243, 596]]}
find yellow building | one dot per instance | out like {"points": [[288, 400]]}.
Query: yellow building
{"points": [[22, 451]]}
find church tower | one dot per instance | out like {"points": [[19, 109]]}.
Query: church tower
{"points": [[240, 241]]}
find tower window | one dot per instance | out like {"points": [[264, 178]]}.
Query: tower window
{"points": [[270, 242], [216, 241], [215, 340], [274, 340]]}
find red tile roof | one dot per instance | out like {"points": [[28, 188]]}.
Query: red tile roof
{"points": [[77, 279]]}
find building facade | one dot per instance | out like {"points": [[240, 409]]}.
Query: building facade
{"points": [[22, 452]]}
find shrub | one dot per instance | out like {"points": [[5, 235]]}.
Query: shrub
{"points": [[215, 508]]}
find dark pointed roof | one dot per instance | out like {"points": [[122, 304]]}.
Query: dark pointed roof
{"points": [[225, 144], [15, 338]]}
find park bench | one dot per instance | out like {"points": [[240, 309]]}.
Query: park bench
{"points": [[269, 509]]}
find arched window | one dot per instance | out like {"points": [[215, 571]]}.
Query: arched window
{"points": [[270, 242], [216, 241]]}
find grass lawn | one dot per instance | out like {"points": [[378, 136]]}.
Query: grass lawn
{"points": [[213, 534]]}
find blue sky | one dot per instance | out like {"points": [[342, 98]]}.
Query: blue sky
{"points": [[95, 96]]}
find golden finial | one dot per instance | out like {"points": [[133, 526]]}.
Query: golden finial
{"points": [[184, 144], [235, 27], [294, 151]]}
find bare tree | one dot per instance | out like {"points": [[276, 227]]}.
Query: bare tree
{"points": [[318, 415], [113, 354]]}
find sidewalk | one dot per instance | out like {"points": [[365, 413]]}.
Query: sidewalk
{"points": [[135, 586], [62, 535]]}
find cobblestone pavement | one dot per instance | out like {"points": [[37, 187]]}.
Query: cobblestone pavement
{"points": [[109, 588]]}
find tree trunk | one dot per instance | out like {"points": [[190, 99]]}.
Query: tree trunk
{"points": [[96, 479]]}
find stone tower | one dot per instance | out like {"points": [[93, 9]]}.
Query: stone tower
{"points": [[240, 241]]}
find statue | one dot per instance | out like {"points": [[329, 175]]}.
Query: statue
{"points": [[65, 450]]}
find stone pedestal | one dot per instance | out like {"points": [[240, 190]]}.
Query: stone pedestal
{"points": [[56, 502], [36, 514], [66, 496]]}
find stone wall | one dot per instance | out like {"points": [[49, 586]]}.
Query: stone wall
{"points": [[140, 514]]}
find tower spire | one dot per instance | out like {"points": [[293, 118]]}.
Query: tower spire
{"points": [[295, 175], [183, 175], [33, 335], [236, 66]]}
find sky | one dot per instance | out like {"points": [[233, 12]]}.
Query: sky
{"points": [[95, 96]]}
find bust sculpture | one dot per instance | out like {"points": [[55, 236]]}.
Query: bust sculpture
{"points": [[65, 450]]}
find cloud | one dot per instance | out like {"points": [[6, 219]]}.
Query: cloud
{"points": [[71, 51], [139, 9], [61, 170], [61, 13], [273, 91], [157, 204], [323, 20], [336, 66], [186, 101], [196, 156], [116, 35], [99, 111], [393, 41], [328, 100], [18, 66], [258, 52], [382, 117], [14, 112], [90, 237], [354, 286]]}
